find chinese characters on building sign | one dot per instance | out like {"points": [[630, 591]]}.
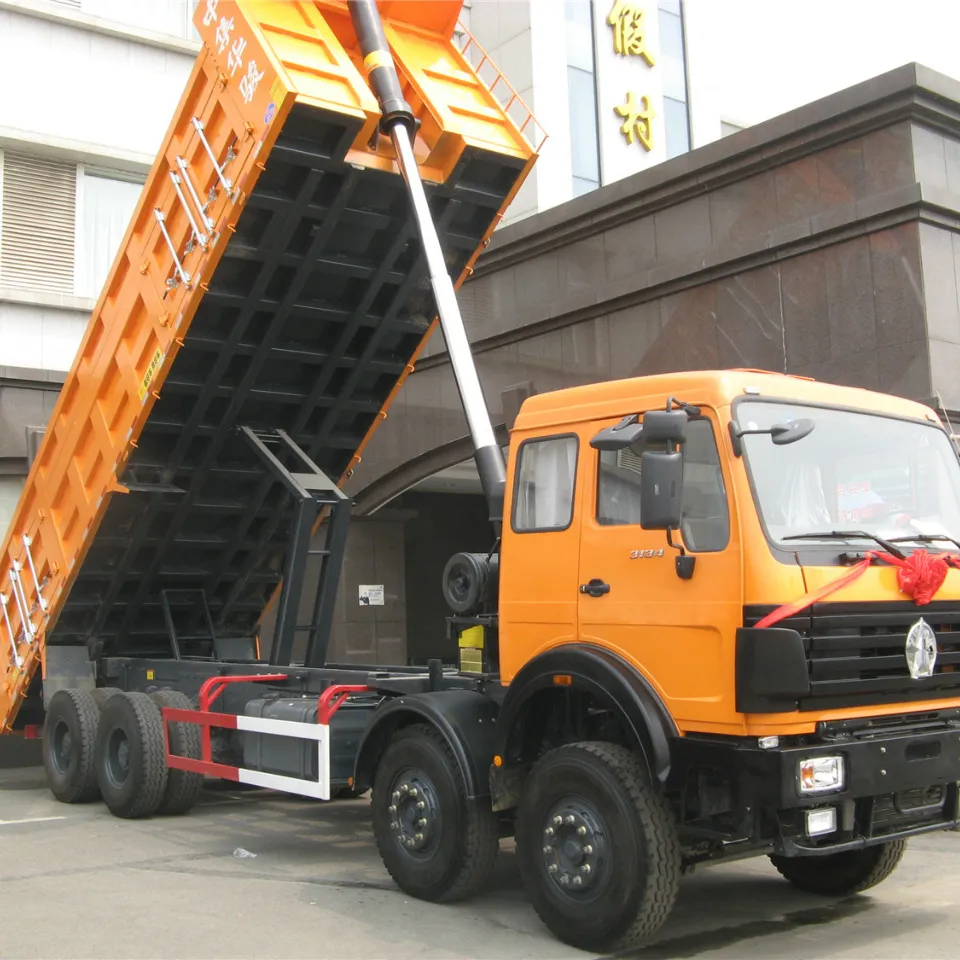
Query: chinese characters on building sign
{"points": [[250, 79], [630, 40]]}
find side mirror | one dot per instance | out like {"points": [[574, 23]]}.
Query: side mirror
{"points": [[665, 426], [661, 488]]}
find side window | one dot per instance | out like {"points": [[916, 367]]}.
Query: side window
{"points": [[546, 472], [706, 519]]}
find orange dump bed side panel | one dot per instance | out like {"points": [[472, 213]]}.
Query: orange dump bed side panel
{"points": [[268, 72]]}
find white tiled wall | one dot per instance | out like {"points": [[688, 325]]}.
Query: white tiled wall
{"points": [[10, 488], [65, 82], [41, 338]]}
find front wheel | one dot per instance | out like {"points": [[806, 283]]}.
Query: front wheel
{"points": [[842, 874], [436, 843], [597, 846]]}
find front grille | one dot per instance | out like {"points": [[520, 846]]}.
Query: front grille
{"points": [[907, 807], [856, 652]]}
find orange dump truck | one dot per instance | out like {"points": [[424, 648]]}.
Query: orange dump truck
{"points": [[720, 613]]}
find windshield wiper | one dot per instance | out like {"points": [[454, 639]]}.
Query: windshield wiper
{"points": [[927, 538], [849, 535]]}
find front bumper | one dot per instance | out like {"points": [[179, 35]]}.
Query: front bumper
{"points": [[896, 785]]}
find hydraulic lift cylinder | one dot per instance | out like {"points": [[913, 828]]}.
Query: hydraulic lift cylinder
{"points": [[399, 123]]}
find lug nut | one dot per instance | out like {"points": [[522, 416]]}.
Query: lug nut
{"points": [[396, 796], [392, 808], [578, 881], [548, 849], [585, 868], [565, 879], [549, 832], [581, 831], [553, 868], [568, 820], [418, 837], [413, 791], [557, 821], [421, 805], [587, 849], [394, 825]]}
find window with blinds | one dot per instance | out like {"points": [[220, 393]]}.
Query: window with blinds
{"points": [[38, 223]]}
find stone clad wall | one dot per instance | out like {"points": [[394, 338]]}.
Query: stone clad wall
{"points": [[823, 243]]}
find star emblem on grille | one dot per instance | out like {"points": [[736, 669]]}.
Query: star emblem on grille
{"points": [[921, 650]]}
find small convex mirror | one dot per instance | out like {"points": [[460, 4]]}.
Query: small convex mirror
{"points": [[790, 432], [620, 436]]}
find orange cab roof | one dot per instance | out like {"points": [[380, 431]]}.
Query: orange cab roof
{"points": [[715, 388]]}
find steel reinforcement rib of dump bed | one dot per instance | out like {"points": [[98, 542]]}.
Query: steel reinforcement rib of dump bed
{"points": [[271, 278]]}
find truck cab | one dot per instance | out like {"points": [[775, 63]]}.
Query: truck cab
{"points": [[765, 650]]}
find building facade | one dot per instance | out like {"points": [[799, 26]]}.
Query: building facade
{"points": [[821, 242], [89, 88]]}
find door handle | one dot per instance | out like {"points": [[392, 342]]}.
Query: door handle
{"points": [[595, 588]]}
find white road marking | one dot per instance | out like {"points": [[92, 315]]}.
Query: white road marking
{"points": [[9, 823]]}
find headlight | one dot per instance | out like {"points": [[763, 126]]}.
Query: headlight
{"points": [[820, 774]]}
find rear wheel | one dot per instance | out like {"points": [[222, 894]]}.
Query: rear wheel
{"points": [[436, 843], [69, 746], [597, 846], [131, 762], [183, 788], [842, 874]]}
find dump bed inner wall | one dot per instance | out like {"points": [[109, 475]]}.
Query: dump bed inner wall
{"points": [[311, 316]]}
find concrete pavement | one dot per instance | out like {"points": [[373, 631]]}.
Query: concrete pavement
{"points": [[76, 882]]}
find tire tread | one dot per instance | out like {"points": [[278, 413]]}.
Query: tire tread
{"points": [[183, 787], [84, 787], [663, 847], [148, 794], [481, 835], [812, 874]]}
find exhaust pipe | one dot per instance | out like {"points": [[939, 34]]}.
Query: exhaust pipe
{"points": [[399, 123]]}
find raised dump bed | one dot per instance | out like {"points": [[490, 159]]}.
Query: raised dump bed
{"points": [[270, 279]]}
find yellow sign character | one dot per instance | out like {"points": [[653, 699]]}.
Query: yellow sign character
{"points": [[629, 30], [637, 122]]}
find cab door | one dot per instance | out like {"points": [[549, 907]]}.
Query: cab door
{"points": [[679, 633], [540, 553]]}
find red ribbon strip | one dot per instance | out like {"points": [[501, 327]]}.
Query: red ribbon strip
{"points": [[920, 576]]}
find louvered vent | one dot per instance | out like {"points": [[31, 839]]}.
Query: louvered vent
{"points": [[37, 228], [628, 460]]}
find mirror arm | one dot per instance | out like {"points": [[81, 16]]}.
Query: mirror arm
{"points": [[737, 432], [684, 563]]}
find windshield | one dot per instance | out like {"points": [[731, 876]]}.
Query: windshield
{"points": [[855, 471]]}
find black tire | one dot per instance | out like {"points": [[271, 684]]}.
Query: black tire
{"points": [[615, 843], [102, 694], [842, 874], [183, 788], [459, 843], [69, 746], [131, 763]]}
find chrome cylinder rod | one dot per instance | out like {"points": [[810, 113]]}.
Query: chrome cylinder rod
{"points": [[399, 123]]}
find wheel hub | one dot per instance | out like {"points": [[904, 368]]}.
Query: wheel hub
{"points": [[574, 845], [414, 812], [62, 747], [118, 757]]}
